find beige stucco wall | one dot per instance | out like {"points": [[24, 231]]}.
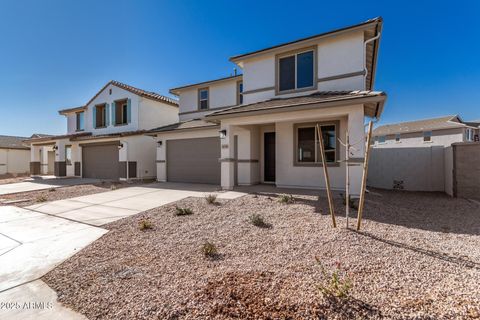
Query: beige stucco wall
{"points": [[420, 168], [14, 161], [287, 174], [415, 139], [467, 170], [222, 94]]}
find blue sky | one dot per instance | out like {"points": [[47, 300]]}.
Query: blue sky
{"points": [[56, 54]]}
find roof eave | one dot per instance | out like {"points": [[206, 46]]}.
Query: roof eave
{"points": [[176, 91], [303, 106], [362, 26]]}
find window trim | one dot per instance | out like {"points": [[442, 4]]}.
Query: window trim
{"points": [[296, 163], [66, 160], [124, 101], [424, 136], [208, 98], [469, 135], [104, 105], [77, 122], [240, 94], [295, 53]]}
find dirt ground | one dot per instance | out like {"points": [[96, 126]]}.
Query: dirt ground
{"points": [[417, 257], [25, 199]]}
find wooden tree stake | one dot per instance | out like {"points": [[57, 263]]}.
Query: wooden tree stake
{"points": [[364, 177], [327, 179]]}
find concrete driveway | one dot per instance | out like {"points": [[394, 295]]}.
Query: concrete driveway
{"points": [[102, 208], [34, 240], [40, 183]]}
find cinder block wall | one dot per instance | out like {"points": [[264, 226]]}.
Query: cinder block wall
{"points": [[466, 170]]}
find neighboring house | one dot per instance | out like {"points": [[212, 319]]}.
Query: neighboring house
{"points": [[105, 137], [14, 155], [417, 155], [441, 131], [261, 124]]}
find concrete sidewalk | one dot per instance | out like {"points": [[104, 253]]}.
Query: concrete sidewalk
{"points": [[31, 244], [101, 208], [41, 183]]}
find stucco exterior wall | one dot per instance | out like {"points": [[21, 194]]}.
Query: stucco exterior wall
{"points": [[14, 161], [287, 173], [153, 114], [415, 139], [409, 168], [222, 94], [336, 57]]}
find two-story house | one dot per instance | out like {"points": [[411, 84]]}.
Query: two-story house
{"points": [[105, 137], [261, 124], [441, 131]]}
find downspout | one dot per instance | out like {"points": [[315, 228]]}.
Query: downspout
{"points": [[125, 146], [365, 52]]}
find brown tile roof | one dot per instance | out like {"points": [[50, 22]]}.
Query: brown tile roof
{"points": [[57, 137], [146, 94], [175, 90], [109, 135], [11, 142], [185, 125], [445, 122], [319, 98]]}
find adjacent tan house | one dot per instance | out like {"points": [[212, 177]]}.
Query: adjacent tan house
{"points": [[14, 156], [259, 127], [417, 155], [105, 138], [435, 131]]}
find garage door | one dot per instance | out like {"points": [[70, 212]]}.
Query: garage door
{"points": [[100, 161], [194, 160]]}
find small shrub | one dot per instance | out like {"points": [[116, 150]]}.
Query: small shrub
{"points": [[52, 189], [113, 186], [336, 283], [41, 198], [209, 250], [211, 199], [287, 199], [145, 224], [257, 221], [183, 211]]}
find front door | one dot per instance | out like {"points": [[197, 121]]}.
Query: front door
{"points": [[269, 156]]}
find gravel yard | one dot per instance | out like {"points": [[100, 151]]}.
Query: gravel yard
{"points": [[9, 178], [25, 199], [417, 257]]}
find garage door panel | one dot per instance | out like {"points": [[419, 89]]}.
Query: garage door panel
{"points": [[101, 162], [194, 160]]}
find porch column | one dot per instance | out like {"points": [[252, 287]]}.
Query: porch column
{"points": [[248, 146], [35, 160], [44, 159], [60, 167], [161, 160], [227, 161], [356, 132]]}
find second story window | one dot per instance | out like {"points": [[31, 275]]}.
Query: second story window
{"points": [[296, 71], [80, 121], [240, 92], [203, 102], [397, 137], [469, 134], [427, 136], [121, 112], [381, 139], [100, 116]]}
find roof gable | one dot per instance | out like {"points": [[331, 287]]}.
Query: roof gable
{"points": [[140, 92]]}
